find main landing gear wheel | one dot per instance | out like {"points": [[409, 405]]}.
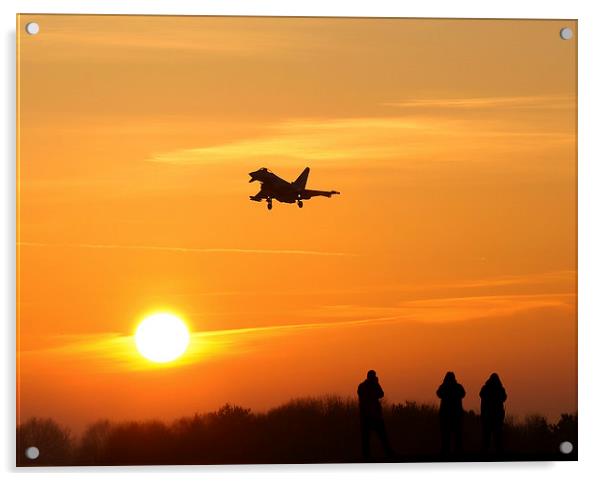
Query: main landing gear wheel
{"points": [[300, 203]]}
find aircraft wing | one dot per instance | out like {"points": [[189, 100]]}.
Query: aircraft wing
{"points": [[259, 196], [308, 194]]}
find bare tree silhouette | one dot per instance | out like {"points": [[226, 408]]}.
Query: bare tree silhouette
{"points": [[54, 443], [308, 430]]}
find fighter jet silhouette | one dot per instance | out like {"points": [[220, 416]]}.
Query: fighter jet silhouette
{"points": [[274, 187]]}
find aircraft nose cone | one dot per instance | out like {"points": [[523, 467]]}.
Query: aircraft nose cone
{"points": [[258, 174]]}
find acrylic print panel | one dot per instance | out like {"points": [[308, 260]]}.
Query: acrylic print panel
{"points": [[295, 240]]}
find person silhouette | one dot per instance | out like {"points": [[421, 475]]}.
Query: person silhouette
{"points": [[371, 417], [451, 412], [493, 395]]}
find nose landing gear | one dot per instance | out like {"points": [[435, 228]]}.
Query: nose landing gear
{"points": [[300, 203], [269, 204]]}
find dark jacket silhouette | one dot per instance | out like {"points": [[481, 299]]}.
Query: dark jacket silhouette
{"points": [[451, 412], [493, 395], [371, 417]]}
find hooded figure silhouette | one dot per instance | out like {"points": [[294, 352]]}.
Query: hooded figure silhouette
{"points": [[451, 412], [371, 417], [493, 395]]}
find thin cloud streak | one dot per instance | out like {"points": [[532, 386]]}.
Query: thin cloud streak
{"points": [[534, 279], [191, 249], [532, 102], [331, 141], [452, 309], [118, 351]]}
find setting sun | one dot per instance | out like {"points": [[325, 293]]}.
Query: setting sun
{"points": [[162, 337]]}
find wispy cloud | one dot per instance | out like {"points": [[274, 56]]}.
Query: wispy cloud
{"points": [[179, 36], [450, 309], [477, 307], [194, 250], [535, 278], [519, 102], [384, 139], [541, 280], [112, 351], [317, 139]]}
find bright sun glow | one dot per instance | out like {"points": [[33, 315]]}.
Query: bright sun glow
{"points": [[162, 337]]}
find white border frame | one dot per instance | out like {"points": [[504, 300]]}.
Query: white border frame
{"points": [[590, 233]]}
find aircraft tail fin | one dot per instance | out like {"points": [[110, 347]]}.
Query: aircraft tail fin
{"points": [[302, 179]]}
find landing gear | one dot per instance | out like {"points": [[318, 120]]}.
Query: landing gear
{"points": [[269, 204], [300, 203]]}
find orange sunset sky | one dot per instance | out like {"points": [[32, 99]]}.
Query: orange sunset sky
{"points": [[451, 247]]}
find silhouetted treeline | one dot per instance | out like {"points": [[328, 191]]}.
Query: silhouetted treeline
{"points": [[301, 431]]}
